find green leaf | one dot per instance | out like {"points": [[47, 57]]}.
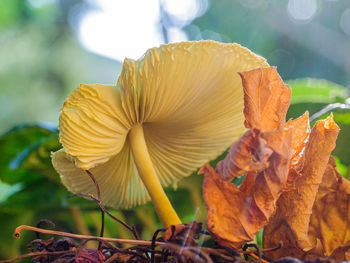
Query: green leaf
{"points": [[343, 118], [12, 247], [316, 91], [259, 238], [343, 169], [39, 195], [9, 12], [39, 160], [23, 155], [342, 149], [317, 95], [213, 163], [28, 180], [26, 148], [313, 95], [7, 190]]}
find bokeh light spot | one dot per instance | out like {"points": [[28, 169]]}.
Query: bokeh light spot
{"points": [[185, 11], [345, 21], [301, 10]]}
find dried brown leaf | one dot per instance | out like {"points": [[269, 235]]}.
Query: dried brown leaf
{"points": [[266, 99], [248, 154], [292, 219], [300, 133], [183, 234], [281, 165], [88, 255], [236, 214], [330, 219]]}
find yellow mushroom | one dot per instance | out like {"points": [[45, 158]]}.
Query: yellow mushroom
{"points": [[172, 111]]}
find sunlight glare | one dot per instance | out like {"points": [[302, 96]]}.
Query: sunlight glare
{"points": [[121, 29], [117, 29], [185, 11]]}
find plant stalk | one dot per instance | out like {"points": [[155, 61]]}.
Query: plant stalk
{"points": [[162, 205]]}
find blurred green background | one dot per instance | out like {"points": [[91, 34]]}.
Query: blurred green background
{"points": [[48, 47]]}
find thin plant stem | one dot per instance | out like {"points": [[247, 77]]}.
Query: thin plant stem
{"points": [[100, 202], [47, 221], [103, 209], [130, 228], [107, 239]]}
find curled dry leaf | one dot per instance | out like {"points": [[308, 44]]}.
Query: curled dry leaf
{"points": [[236, 214], [248, 154], [291, 186], [266, 99], [291, 222], [300, 133], [330, 219]]}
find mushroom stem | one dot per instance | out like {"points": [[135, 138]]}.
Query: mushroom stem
{"points": [[164, 209]]}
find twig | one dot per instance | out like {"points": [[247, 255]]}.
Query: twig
{"points": [[245, 248], [130, 251], [273, 249], [102, 228], [59, 233], [329, 108], [258, 258], [218, 252], [100, 203], [189, 252], [103, 209], [198, 254], [154, 238], [34, 254], [95, 183], [113, 257], [130, 228], [47, 221], [232, 252]]}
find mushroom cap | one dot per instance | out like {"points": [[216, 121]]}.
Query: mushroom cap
{"points": [[188, 98]]}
